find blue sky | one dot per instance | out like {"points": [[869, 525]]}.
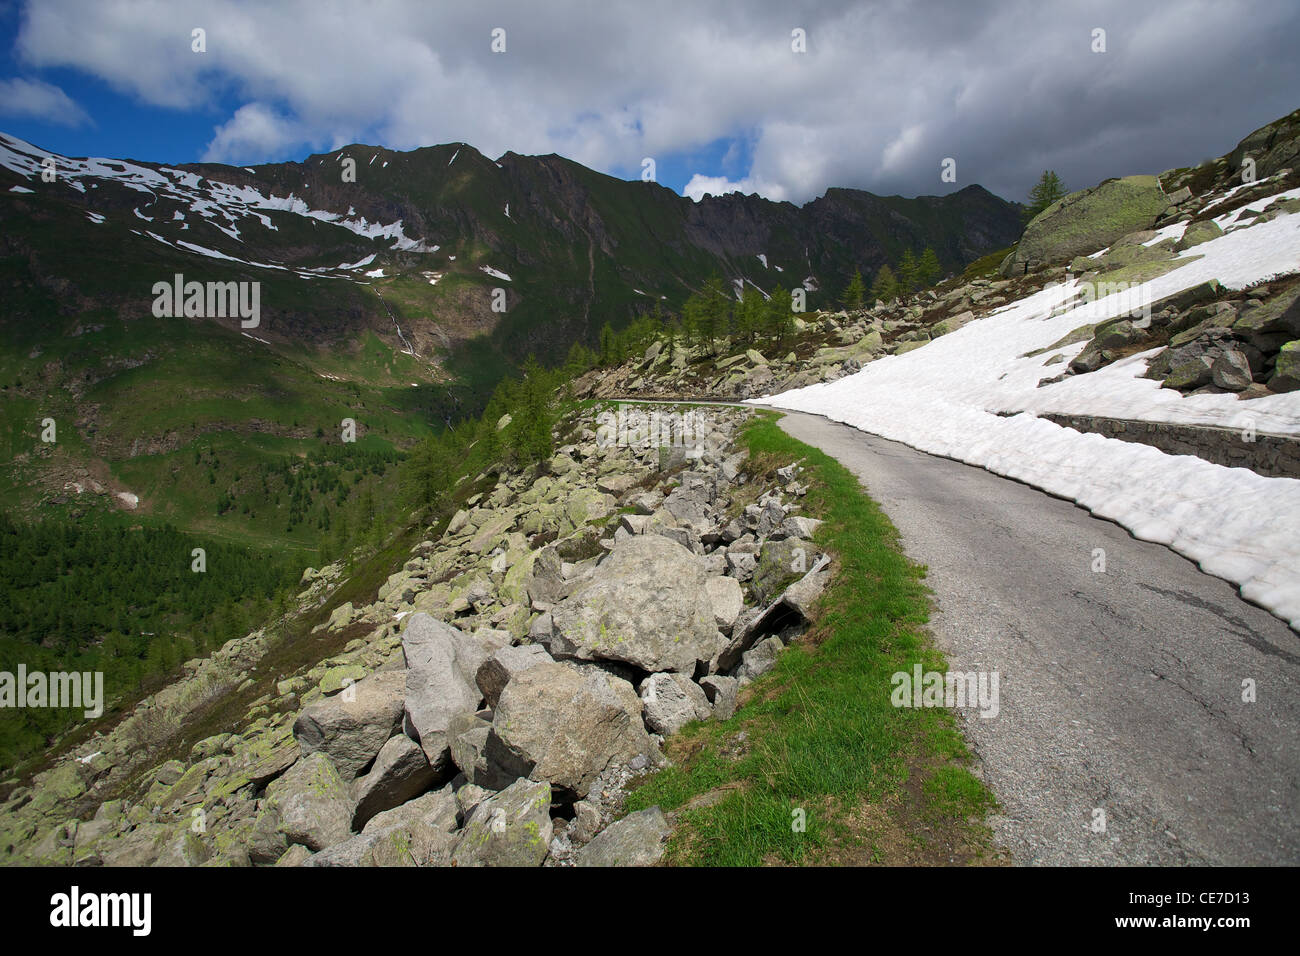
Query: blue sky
{"points": [[883, 92], [122, 124]]}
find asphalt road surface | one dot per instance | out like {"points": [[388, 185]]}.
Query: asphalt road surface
{"points": [[1122, 735]]}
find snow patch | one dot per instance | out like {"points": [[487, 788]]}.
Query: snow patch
{"points": [[972, 395]]}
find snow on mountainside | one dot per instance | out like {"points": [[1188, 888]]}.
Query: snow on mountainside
{"points": [[225, 207], [973, 395]]}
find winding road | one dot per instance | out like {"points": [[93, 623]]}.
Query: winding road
{"points": [[1122, 735]]}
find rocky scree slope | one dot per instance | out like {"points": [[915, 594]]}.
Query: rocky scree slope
{"points": [[509, 680]]}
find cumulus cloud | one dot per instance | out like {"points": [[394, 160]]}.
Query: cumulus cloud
{"points": [[253, 133], [36, 99], [885, 91], [701, 186]]}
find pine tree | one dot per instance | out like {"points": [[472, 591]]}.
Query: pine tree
{"points": [[907, 272], [778, 316], [717, 311], [749, 315], [608, 346], [885, 288], [854, 292], [1047, 191], [928, 270]]}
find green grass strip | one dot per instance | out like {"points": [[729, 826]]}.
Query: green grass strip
{"points": [[820, 735]]}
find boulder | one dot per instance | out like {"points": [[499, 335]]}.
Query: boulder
{"points": [[1086, 221], [647, 604], [495, 673], [779, 564], [400, 772], [564, 724], [441, 669], [1231, 371], [1273, 147], [351, 727], [801, 595], [510, 828], [639, 839], [1286, 374], [760, 658], [312, 803], [1278, 314], [1197, 233], [469, 734], [341, 617], [671, 701], [545, 583], [721, 692], [438, 808], [727, 598]]}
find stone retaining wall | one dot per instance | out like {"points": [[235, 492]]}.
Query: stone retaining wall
{"points": [[1275, 456]]}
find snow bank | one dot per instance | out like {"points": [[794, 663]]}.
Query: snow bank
{"points": [[945, 399]]}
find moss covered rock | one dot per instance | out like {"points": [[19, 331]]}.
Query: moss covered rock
{"points": [[1085, 221]]}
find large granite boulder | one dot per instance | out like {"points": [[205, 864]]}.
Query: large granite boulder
{"points": [[639, 839], [566, 724], [401, 771], [352, 726], [441, 668], [311, 803], [647, 605], [1085, 221], [510, 828]]}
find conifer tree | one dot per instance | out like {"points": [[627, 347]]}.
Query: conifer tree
{"points": [[1046, 191], [907, 274], [928, 270], [854, 292], [885, 288]]}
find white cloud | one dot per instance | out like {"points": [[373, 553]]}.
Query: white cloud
{"points": [[701, 186], [885, 92], [253, 133], [36, 99]]}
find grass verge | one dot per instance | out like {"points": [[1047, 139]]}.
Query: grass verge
{"points": [[817, 766]]}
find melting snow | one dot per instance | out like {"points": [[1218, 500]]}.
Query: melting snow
{"points": [[223, 205], [944, 398], [21, 189], [492, 272]]}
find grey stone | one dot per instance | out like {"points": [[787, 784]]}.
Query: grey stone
{"points": [[313, 803], [671, 701], [401, 771], [760, 658], [647, 605], [727, 598], [351, 727], [721, 692], [559, 723], [510, 828], [496, 671], [639, 839], [442, 665], [1231, 371]]}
